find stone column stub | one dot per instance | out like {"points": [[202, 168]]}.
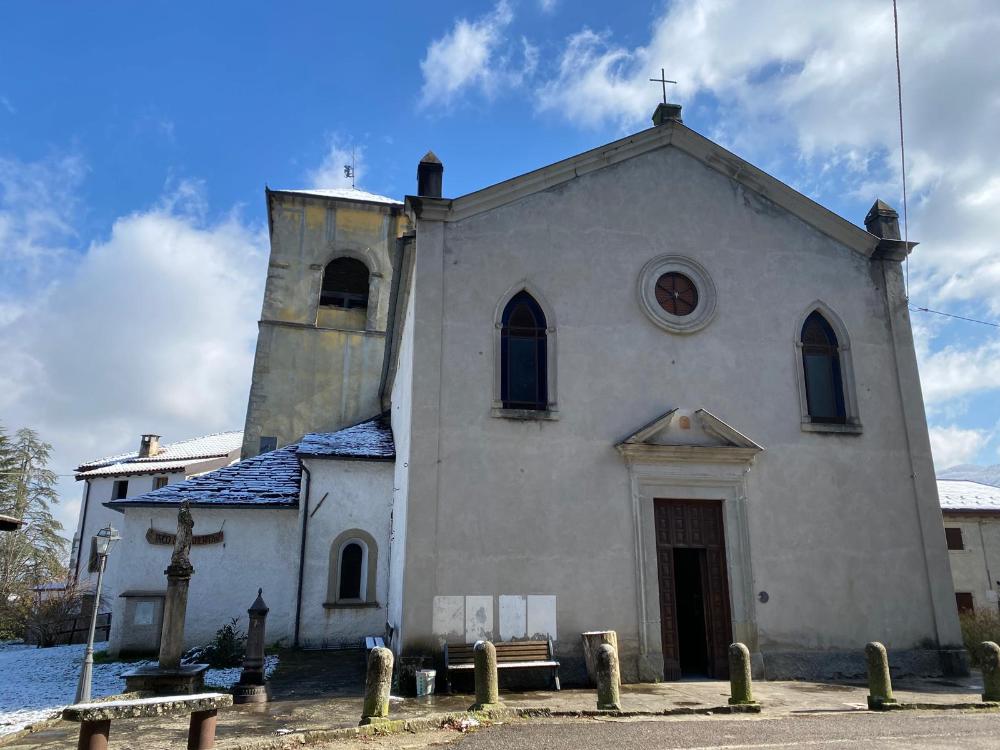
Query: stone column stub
{"points": [[378, 680], [487, 684], [608, 678], [879, 681]]}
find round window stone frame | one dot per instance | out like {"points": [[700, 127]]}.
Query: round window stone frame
{"points": [[703, 312]]}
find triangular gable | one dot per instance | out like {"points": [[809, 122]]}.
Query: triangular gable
{"points": [[671, 133], [688, 435]]}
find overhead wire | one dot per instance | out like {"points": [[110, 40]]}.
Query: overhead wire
{"points": [[902, 147]]}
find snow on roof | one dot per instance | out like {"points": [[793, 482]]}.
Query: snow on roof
{"points": [[171, 457], [349, 193], [371, 439], [270, 479], [964, 495]]}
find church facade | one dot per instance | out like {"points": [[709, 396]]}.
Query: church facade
{"points": [[649, 389]]}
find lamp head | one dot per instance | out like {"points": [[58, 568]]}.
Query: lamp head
{"points": [[105, 539]]}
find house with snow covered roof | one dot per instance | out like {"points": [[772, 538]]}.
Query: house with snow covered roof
{"points": [[647, 388], [152, 466], [971, 513]]}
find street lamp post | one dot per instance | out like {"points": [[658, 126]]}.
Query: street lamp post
{"points": [[104, 540]]}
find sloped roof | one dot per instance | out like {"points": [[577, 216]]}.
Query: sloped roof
{"points": [[270, 479], [173, 456], [371, 439], [671, 133], [968, 496], [348, 193]]}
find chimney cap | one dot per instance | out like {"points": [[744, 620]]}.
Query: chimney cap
{"points": [[430, 158], [880, 208], [667, 113], [882, 220]]}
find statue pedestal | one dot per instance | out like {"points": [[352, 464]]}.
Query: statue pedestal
{"points": [[186, 679]]}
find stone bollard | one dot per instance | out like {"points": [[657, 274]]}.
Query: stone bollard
{"points": [[740, 685], [487, 687], [879, 682], [608, 678], [377, 684], [989, 658]]}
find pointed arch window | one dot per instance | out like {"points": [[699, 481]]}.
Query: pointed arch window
{"points": [[821, 367], [523, 354], [345, 284]]}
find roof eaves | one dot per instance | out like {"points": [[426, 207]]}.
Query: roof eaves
{"points": [[673, 133]]}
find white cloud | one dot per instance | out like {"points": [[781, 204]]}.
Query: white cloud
{"points": [[955, 372], [477, 56], [953, 445], [548, 6], [330, 172], [149, 330]]}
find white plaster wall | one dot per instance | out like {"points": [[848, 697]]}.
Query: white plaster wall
{"points": [[358, 496], [98, 517], [260, 551], [401, 406], [976, 569], [543, 507]]}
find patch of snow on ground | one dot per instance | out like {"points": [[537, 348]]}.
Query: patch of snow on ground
{"points": [[226, 678], [38, 682]]}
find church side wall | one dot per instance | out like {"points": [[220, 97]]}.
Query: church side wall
{"points": [[522, 509], [259, 551], [358, 495], [402, 403]]}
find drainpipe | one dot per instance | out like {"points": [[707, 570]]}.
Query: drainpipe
{"points": [[302, 554], [83, 530]]}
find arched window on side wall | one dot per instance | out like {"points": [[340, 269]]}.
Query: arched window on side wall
{"points": [[345, 284], [523, 354], [822, 372], [353, 568], [352, 572]]}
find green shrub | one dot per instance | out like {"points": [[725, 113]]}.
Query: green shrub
{"points": [[979, 626], [226, 649]]}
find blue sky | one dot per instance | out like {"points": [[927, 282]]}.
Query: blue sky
{"points": [[136, 141]]}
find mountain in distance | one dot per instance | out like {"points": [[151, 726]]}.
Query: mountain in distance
{"points": [[973, 473]]}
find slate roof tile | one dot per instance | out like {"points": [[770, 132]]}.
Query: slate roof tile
{"points": [[371, 439], [968, 496]]}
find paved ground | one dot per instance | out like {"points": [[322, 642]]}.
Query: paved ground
{"points": [[311, 696], [900, 729]]}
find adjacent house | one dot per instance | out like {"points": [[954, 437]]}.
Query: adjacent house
{"points": [[972, 530], [152, 466]]}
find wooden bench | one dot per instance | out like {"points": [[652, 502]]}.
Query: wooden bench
{"points": [[95, 718], [510, 655]]}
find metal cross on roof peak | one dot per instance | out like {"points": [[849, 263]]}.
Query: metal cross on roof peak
{"points": [[663, 80]]}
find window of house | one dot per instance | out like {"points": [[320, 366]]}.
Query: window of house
{"points": [[821, 369], [119, 490], [954, 537], [92, 565], [345, 284], [963, 600], [159, 482], [523, 354]]}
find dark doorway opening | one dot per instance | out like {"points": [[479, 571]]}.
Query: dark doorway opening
{"points": [[692, 637], [695, 622]]}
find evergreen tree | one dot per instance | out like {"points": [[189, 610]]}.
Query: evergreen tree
{"points": [[35, 554]]}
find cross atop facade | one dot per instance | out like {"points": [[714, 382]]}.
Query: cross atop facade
{"points": [[664, 80]]}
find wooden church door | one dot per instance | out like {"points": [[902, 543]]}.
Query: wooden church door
{"points": [[694, 589]]}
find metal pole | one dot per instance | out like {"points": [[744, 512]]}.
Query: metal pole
{"points": [[83, 688]]}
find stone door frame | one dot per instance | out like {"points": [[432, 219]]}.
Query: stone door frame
{"points": [[669, 480]]}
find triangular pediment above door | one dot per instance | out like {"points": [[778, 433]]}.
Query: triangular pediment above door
{"points": [[693, 435]]}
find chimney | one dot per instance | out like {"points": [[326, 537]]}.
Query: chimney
{"points": [[667, 113], [883, 221], [430, 172], [149, 446]]}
